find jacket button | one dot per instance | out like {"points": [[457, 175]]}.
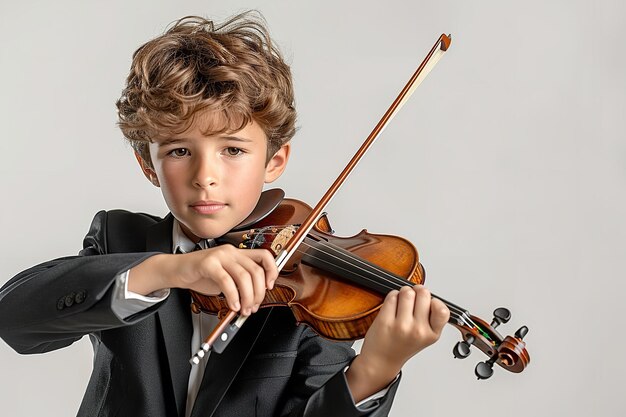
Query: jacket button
{"points": [[80, 297], [61, 303], [69, 299]]}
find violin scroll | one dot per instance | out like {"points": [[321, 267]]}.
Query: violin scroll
{"points": [[509, 352]]}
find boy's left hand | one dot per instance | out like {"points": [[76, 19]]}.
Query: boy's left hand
{"points": [[408, 321]]}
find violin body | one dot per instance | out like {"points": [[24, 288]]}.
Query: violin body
{"points": [[334, 306]]}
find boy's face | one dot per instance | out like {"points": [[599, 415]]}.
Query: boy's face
{"points": [[212, 183]]}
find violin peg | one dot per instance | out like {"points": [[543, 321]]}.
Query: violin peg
{"points": [[462, 349], [500, 315], [521, 332], [484, 370]]}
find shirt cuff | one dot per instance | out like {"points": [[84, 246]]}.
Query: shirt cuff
{"points": [[125, 303], [365, 404]]}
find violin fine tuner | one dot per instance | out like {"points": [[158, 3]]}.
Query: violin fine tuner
{"points": [[508, 352]]}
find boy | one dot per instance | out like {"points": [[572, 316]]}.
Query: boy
{"points": [[209, 112]]}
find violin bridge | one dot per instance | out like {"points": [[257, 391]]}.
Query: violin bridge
{"points": [[282, 238]]}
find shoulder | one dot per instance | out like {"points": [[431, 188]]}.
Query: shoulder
{"points": [[127, 219], [120, 225]]}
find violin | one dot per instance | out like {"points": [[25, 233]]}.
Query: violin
{"points": [[336, 285]]}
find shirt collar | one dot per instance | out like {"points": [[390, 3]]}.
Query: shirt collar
{"points": [[181, 243]]}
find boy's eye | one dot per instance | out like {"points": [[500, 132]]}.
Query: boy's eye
{"points": [[232, 151], [179, 152]]}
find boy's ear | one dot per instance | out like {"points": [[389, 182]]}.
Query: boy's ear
{"points": [[277, 163], [147, 170]]}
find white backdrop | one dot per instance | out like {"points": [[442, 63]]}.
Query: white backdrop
{"points": [[507, 170]]}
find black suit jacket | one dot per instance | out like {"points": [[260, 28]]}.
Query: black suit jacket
{"points": [[141, 368]]}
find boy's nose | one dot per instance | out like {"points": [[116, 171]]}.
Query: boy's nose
{"points": [[206, 174]]}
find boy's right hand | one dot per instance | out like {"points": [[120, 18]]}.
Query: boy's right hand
{"points": [[242, 275]]}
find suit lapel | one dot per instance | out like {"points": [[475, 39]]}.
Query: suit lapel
{"points": [[222, 369], [174, 318]]}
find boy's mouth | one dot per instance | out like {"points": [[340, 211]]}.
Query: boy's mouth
{"points": [[207, 207]]}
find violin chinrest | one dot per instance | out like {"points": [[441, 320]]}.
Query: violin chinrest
{"points": [[269, 200]]}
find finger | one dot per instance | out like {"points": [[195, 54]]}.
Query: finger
{"points": [[421, 310], [389, 307], [227, 286], [406, 303], [252, 263], [439, 315], [243, 281], [264, 258], [257, 274]]}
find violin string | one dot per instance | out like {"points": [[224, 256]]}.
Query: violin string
{"points": [[459, 313], [455, 311], [393, 281]]}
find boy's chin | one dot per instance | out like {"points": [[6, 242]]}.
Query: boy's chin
{"points": [[195, 231], [211, 233]]}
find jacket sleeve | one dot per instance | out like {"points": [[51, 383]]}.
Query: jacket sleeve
{"points": [[53, 304], [319, 385]]}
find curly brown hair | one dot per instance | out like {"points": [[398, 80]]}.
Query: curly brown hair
{"points": [[232, 68]]}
